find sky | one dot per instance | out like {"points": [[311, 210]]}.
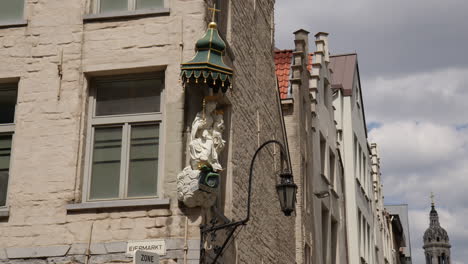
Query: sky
{"points": [[413, 63]]}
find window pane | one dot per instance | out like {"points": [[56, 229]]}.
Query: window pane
{"points": [[143, 166], [113, 5], [147, 4], [128, 97], [105, 175], [5, 152], [11, 10], [7, 105]]}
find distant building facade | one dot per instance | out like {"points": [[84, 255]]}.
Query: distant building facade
{"points": [[304, 85], [341, 216], [373, 235], [352, 139], [436, 241], [402, 212]]}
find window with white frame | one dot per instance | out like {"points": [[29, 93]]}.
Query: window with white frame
{"points": [[8, 94], [112, 6], [11, 10], [125, 115]]}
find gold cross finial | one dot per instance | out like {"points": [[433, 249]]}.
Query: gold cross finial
{"points": [[214, 12], [432, 198]]}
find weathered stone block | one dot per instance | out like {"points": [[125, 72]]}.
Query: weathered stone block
{"points": [[110, 258], [36, 252], [95, 249], [159, 212], [116, 247]]}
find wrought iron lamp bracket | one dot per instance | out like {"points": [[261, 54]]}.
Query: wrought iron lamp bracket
{"points": [[231, 226]]}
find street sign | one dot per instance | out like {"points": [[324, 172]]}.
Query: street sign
{"points": [[153, 245], [145, 257]]}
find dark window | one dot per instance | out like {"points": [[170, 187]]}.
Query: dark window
{"points": [[8, 93], [11, 10], [111, 6], [5, 153], [323, 148]]}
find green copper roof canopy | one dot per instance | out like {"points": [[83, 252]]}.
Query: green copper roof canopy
{"points": [[207, 66]]}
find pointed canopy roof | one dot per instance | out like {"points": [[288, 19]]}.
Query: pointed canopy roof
{"points": [[207, 65]]}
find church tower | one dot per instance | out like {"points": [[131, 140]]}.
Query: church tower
{"points": [[436, 241]]}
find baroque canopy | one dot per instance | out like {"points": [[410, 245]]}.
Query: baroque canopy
{"points": [[207, 66]]}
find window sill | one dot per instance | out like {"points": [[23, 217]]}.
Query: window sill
{"points": [[335, 193], [4, 212], [126, 14], [287, 101], [117, 204], [14, 23], [325, 179]]}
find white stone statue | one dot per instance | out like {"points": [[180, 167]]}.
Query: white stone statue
{"points": [[206, 143]]}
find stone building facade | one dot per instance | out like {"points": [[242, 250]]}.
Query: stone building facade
{"points": [[70, 73], [373, 235], [353, 144], [304, 82], [401, 210]]}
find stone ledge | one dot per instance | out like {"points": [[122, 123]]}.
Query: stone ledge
{"points": [[17, 23], [117, 204], [37, 252], [95, 249], [116, 247], [126, 14], [4, 212]]}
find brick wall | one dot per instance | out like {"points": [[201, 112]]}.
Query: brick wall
{"points": [[51, 121]]}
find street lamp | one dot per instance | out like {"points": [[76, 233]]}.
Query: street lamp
{"points": [[286, 189], [287, 193]]}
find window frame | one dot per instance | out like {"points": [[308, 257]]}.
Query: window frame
{"points": [[9, 129], [131, 7], [21, 21], [125, 121]]}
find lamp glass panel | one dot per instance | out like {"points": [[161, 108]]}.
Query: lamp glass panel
{"points": [[143, 166], [5, 153], [11, 10], [281, 195], [107, 6], [105, 175], [148, 4], [120, 97], [290, 197]]}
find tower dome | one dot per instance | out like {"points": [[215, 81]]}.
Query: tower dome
{"points": [[436, 241]]}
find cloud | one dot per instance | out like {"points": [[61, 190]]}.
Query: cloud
{"points": [[453, 222], [438, 96], [423, 140], [418, 158], [411, 146], [414, 72], [391, 37]]}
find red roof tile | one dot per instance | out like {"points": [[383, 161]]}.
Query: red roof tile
{"points": [[283, 60], [309, 65]]}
